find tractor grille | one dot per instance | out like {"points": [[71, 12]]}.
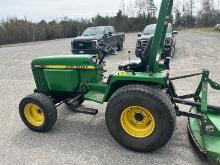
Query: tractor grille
{"points": [[40, 79], [82, 45]]}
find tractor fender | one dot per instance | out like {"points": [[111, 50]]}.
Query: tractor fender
{"points": [[120, 83]]}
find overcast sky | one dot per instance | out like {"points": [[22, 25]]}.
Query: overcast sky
{"points": [[50, 9], [36, 10]]}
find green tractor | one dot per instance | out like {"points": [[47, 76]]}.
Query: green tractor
{"points": [[142, 101]]}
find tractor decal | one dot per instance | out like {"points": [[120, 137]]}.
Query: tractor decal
{"points": [[64, 67]]}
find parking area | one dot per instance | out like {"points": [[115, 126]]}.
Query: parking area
{"points": [[83, 139]]}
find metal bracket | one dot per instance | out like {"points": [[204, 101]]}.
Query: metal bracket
{"points": [[189, 114], [213, 84]]}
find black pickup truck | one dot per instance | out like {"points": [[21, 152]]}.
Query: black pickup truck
{"points": [[169, 44], [86, 42]]}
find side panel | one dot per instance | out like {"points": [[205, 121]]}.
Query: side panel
{"points": [[159, 78], [90, 76], [61, 80]]}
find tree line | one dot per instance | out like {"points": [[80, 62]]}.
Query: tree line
{"points": [[189, 14], [131, 17], [15, 30]]}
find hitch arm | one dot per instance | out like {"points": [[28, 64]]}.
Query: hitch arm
{"points": [[195, 104]]}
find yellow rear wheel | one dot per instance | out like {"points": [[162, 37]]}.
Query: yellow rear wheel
{"points": [[137, 121], [140, 117]]}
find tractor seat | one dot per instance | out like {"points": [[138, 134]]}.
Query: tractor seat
{"points": [[138, 66]]}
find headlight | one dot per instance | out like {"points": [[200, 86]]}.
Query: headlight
{"points": [[138, 43]]}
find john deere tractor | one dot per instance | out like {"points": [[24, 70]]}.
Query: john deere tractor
{"points": [[141, 98]]}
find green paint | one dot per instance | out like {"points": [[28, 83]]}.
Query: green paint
{"points": [[204, 93], [105, 90], [65, 79], [206, 132], [159, 36], [145, 77], [94, 96], [208, 142], [64, 60], [56, 78]]}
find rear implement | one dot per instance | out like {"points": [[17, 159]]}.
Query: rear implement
{"points": [[204, 119]]}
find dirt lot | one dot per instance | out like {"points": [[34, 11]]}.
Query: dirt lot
{"points": [[82, 139]]}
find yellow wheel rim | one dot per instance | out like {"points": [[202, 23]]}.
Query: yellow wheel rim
{"points": [[137, 121], [34, 114]]}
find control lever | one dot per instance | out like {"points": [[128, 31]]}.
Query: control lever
{"points": [[129, 56]]}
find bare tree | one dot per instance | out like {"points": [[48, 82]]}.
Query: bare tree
{"points": [[206, 16], [123, 6], [141, 7], [191, 5], [130, 9], [145, 7]]}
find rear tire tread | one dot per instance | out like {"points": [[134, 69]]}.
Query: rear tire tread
{"points": [[156, 94]]}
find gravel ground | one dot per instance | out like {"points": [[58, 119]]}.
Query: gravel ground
{"points": [[83, 139]]}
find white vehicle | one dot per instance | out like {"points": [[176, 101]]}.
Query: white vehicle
{"points": [[217, 27]]}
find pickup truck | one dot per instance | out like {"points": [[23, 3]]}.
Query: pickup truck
{"points": [[169, 44], [86, 42]]}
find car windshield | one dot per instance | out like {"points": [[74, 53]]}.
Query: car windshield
{"points": [[92, 31], [150, 29]]}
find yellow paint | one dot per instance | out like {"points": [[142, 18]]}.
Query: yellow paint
{"points": [[140, 128], [121, 73], [34, 114], [64, 67], [56, 66]]}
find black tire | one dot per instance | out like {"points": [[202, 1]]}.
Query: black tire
{"points": [[46, 107], [150, 98], [172, 52], [120, 46]]}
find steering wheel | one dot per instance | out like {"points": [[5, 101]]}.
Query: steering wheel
{"points": [[106, 49]]}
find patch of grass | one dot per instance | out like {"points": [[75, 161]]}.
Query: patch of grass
{"points": [[205, 29]]}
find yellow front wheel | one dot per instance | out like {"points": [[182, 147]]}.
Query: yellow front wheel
{"points": [[38, 112], [34, 114]]}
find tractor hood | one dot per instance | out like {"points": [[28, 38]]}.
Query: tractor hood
{"points": [[64, 61]]}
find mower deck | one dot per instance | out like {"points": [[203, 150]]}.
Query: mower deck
{"points": [[206, 135]]}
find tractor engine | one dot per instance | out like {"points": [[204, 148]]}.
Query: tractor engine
{"points": [[66, 73]]}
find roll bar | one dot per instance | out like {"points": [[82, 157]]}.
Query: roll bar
{"points": [[159, 35]]}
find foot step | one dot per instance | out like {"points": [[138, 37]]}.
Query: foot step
{"points": [[89, 111]]}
